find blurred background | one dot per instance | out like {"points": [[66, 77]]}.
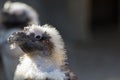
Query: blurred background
{"points": [[91, 31]]}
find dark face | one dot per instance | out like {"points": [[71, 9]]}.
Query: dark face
{"points": [[14, 19], [32, 43]]}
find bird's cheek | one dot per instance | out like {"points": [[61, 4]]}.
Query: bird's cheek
{"points": [[28, 46]]}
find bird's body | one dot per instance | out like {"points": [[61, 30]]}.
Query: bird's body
{"points": [[38, 68], [44, 54]]}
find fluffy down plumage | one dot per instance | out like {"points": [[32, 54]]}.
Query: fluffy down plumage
{"points": [[44, 54]]}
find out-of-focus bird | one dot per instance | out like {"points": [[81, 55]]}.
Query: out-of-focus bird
{"points": [[13, 17], [44, 55], [18, 14]]}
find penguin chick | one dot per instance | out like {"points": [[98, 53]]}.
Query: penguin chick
{"points": [[44, 54]]}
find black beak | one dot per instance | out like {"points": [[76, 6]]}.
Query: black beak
{"points": [[17, 37]]}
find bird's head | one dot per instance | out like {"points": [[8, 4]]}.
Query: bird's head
{"points": [[17, 14], [42, 40]]}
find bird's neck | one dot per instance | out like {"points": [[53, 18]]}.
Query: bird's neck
{"points": [[45, 64]]}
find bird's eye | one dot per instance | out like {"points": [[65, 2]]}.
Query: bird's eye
{"points": [[38, 37]]}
